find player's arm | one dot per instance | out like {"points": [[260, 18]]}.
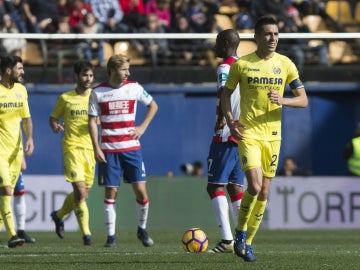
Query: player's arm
{"points": [[23, 162], [55, 125], [152, 108], [93, 130], [299, 100], [28, 129], [220, 121], [225, 102]]}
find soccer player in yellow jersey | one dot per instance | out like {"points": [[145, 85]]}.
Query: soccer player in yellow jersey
{"points": [[78, 153], [13, 106], [262, 76]]}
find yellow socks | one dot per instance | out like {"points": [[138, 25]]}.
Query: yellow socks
{"points": [[7, 215], [82, 214], [67, 206], [255, 220], [246, 207]]}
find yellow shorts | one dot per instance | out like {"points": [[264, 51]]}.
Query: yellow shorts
{"points": [[10, 167], [260, 154], [79, 165]]}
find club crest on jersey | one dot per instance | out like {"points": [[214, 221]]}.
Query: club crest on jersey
{"points": [[277, 70], [18, 95]]}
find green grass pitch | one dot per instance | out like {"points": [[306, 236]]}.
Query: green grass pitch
{"points": [[295, 250]]}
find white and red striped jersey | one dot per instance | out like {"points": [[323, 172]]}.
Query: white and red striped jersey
{"points": [[116, 108], [223, 135]]}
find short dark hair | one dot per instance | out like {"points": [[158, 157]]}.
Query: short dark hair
{"points": [[9, 61], [231, 36], [82, 65], [264, 20]]}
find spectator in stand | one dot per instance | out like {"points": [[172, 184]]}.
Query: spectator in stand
{"points": [[91, 48], [177, 8], [129, 6], [2, 8], [64, 26], [110, 15], [290, 168], [299, 50], [244, 22], [185, 51], [157, 49], [14, 9], [244, 4], [212, 7], [196, 15], [41, 16], [10, 46], [63, 5], [303, 6], [276, 8], [77, 11], [134, 13], [63, 48], [162, 9]]}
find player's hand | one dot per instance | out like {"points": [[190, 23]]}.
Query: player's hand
{"points": [[219, 124], [99, 156], [58, 127], [235, 132], [136, 133], [275, 97], [29, 147]]}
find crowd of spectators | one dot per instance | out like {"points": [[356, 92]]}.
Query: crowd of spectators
{"points": [[133, 16]]}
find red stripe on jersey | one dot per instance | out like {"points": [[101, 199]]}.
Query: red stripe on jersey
{"points": [[116, 138], [229, 61], [219, 139], [217, 194], [128, 149], [237, 197], [117, 107], [116, 125]]}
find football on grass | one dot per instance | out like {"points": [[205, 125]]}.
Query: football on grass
{"points": [[194, 240]]}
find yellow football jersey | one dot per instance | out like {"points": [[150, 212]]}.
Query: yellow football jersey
{"points": [[73, 109], [13, 107], [256, 76]]}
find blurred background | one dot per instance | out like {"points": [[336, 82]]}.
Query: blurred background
{"points": [[170, 43]]}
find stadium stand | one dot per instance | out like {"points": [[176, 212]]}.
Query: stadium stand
{"points": [[246, 47], [341, 52], [224, 21], [33, 55], [357, 13], [316, 23], [333, 16], [340, 11], [124, 47]]}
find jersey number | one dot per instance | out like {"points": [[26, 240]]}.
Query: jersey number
{"points": [[274, 160]]}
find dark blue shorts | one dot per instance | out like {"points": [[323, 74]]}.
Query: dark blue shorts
{"points": [[128, 165], [224, 164]]}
